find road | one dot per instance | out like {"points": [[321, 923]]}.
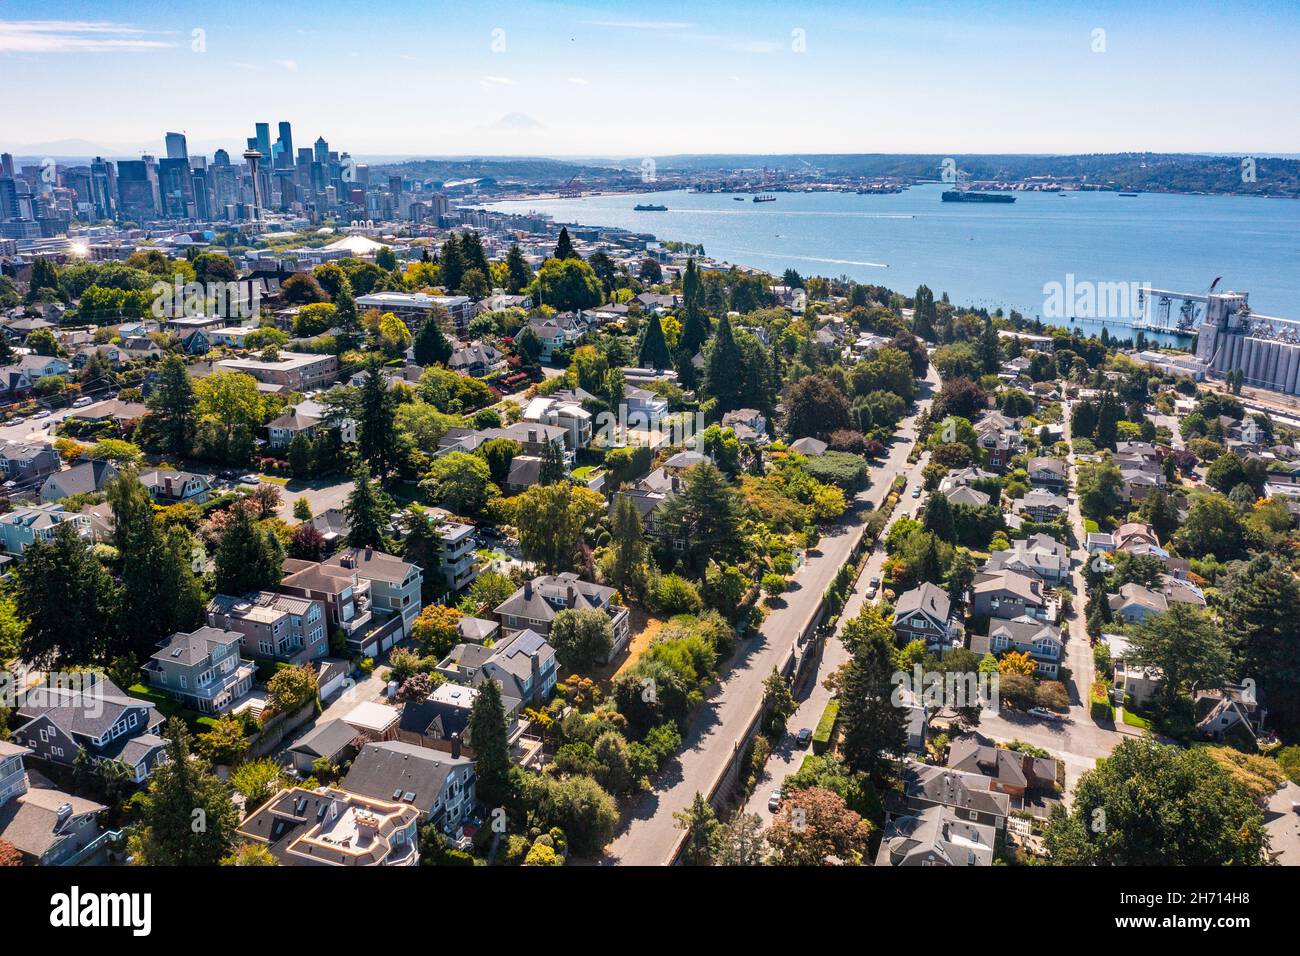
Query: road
{"points": [[1078, 741], [650, 836], [787, 755]]}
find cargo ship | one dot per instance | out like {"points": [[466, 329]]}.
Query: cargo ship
{"points": [[964, 195], [764, 199], [650, 207]]}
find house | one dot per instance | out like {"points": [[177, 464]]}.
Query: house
{"points": [[332, 523], [457, 562], [936, 836], [121, 415], [1131, 681], [439, 785], [168, 487], [373, 720], [394, 585], [644, 407], [1230, 712], [557, 332], [811, 447], [1039, 554], [966, 496], [749, 424], [476, 630], [1000, 447], [1136, 603], [1039, 505], [524, 664], [332, 827], [534, 606], [274, 627], [334, 740], [1050, 473], [47, 826], [968, 476], [1135, 537], [56, 722], [559, 412], [305, 418], [1010, 594], [925, 614], [477, 359], [970, 794], [1098, 542], [37, 367], [14, 383], [85, 478], [344, 594], [24, 462], [20, 527], [441, 720], [202, 669], [1008, 771], [1038, 639]]}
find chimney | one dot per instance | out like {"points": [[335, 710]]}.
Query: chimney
{"points": [[573, 596], [62, 815], [455, 745], [528, 590]]}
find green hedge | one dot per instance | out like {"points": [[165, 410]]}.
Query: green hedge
{"points": [[170, 708], [821, 740], [1101, 708]]}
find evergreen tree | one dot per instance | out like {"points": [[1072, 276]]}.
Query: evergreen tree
{"points": [[45, 278], [923, 314], [188, 818], [160, 594], [564, 246], [171, 408], [472, 254], [722, 369], [377, 439], [701, 826], [654, 349], [367, 512], [695, 324], [249, 557], [552, 470], [346, 319], [487, 735], [873, 727], [627, 542], [68, 600], [453, 264], [518, 272], [939, 518], [990, 355], [705, 514], [431, 346]]}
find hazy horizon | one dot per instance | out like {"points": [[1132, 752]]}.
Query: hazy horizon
{"points": [[570, 80]]}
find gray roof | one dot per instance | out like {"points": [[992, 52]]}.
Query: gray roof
{"points": [[476, 629], [81, 479], [392, 769], [327, 739], [31, 821], [543, 597], [954, 788], [928, 598], [809, 446], [71, 712], [194, 647], [936, 837]]}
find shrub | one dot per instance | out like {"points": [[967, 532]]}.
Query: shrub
{"points": [[1100, 706], [821, 740]]}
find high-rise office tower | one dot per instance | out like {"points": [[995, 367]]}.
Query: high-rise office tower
{"points": [[321, 150], [176, 148], [137, 188], [284, 147], [7, 165], [103, 188], [176, 188], [263, 139]]}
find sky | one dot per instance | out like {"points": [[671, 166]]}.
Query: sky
{"points": [[630, 79]]}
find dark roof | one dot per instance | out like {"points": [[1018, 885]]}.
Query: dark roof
{"points": [[402, 772], [327, 739]]}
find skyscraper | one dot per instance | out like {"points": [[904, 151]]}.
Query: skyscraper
{"points": [[137, 188], [176, 148], [263, 139], [284, 147]]}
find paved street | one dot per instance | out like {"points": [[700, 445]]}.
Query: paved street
{"points": [[1078, 741], [650, 836]]}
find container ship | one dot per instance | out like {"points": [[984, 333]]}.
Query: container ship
{"points": [[650, 207], [963, 195]]}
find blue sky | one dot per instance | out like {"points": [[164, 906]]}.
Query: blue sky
{"points": [[635, 79]]}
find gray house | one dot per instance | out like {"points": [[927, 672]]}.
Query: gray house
{"points": [[438, 784], [98, 717], [85, 478], [925, 614], [202, 669], [48, 827]]}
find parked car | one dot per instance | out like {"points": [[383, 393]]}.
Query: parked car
{"points": [[83, 402], [804, 737], [916, 492], [43, 413], [1044, 713], [250, 479], [774, 801]]}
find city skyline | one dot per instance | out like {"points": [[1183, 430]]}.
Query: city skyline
{"points": [[440, 81]]}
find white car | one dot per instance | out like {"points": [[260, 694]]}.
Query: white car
{"points": [[43, 413], [916, 492], [250, 479], [1044, 713], [774, 800], [83, 402]]}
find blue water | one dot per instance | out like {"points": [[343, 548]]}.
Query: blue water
{"points": [[983, 255]]}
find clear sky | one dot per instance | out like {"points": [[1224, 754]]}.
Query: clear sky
{"points": [[618, 78]]}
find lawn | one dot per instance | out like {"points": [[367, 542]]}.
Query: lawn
{"points": [[1133, 720]]}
